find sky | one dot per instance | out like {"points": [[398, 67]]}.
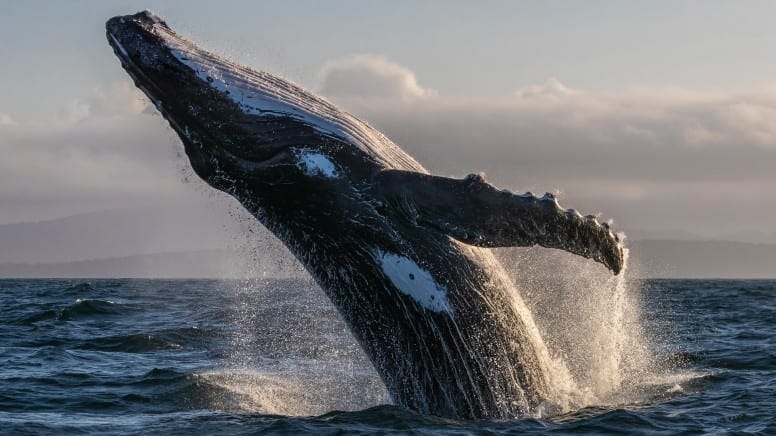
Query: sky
{"points": [[659, 115]]}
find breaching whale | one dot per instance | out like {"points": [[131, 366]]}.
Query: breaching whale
{"points": [[403, 254]]}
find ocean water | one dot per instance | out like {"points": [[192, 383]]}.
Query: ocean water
{"points": [[244, 357]]}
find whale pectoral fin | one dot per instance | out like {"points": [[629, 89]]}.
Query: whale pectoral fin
{"points": [[475, 212]]}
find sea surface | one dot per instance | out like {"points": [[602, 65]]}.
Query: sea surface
{"points": [[244, 357]]}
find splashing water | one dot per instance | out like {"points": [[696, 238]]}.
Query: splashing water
{"points": [[584, 324], [294, 358], [63, 380], [591, 342]]}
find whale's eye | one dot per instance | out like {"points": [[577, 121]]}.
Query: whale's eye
{"points": [[412, 276]]}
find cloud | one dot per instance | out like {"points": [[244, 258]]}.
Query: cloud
{"points": [[75, 112], [118, 99], [668, 160], [552, 88], [114, 100], [6, 120], [370, 76], [101, 151]]}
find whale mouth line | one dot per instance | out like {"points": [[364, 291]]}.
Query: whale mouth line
{"points": [[117, 44], [156, 95], [142, 81]]}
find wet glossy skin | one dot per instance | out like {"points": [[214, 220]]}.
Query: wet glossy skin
{"points": [[395, 249]]}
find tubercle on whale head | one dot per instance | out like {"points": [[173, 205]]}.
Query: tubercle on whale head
{"points": [[138, 43]]}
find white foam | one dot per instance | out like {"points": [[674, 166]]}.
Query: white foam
{"points": [[410, 279]]}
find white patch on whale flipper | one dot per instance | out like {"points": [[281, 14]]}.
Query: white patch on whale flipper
{"points": [[314, 164], [410, 279]]}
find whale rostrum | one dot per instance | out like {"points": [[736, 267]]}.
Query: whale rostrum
{"points": [[403, 255]]}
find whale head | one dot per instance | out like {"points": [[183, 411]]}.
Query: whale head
{"points": [[233, 121], [164, 67]]}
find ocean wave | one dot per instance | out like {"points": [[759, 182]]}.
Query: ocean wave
{"points": [[38, 316], [87, 307], [133, 343], [81, 288], [289, 393], [140, 366], [161, 340], [82, 308]]}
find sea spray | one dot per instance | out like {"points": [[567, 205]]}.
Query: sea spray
{"points": [[582, 324], [275, 366], [267, 319], [588, 321], [722, 329], [581, 321]]}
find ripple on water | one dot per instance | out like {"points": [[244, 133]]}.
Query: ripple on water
{"points": [[209, 357]]}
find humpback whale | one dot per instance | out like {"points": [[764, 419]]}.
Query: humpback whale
{"points": [[404, 255]]}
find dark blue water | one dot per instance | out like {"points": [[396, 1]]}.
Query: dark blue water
{"points": [[210, 357]]}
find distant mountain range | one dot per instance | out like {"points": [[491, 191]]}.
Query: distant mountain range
{"points": [[158, 242], [194, 264], [116, 233], [652, 259]]}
